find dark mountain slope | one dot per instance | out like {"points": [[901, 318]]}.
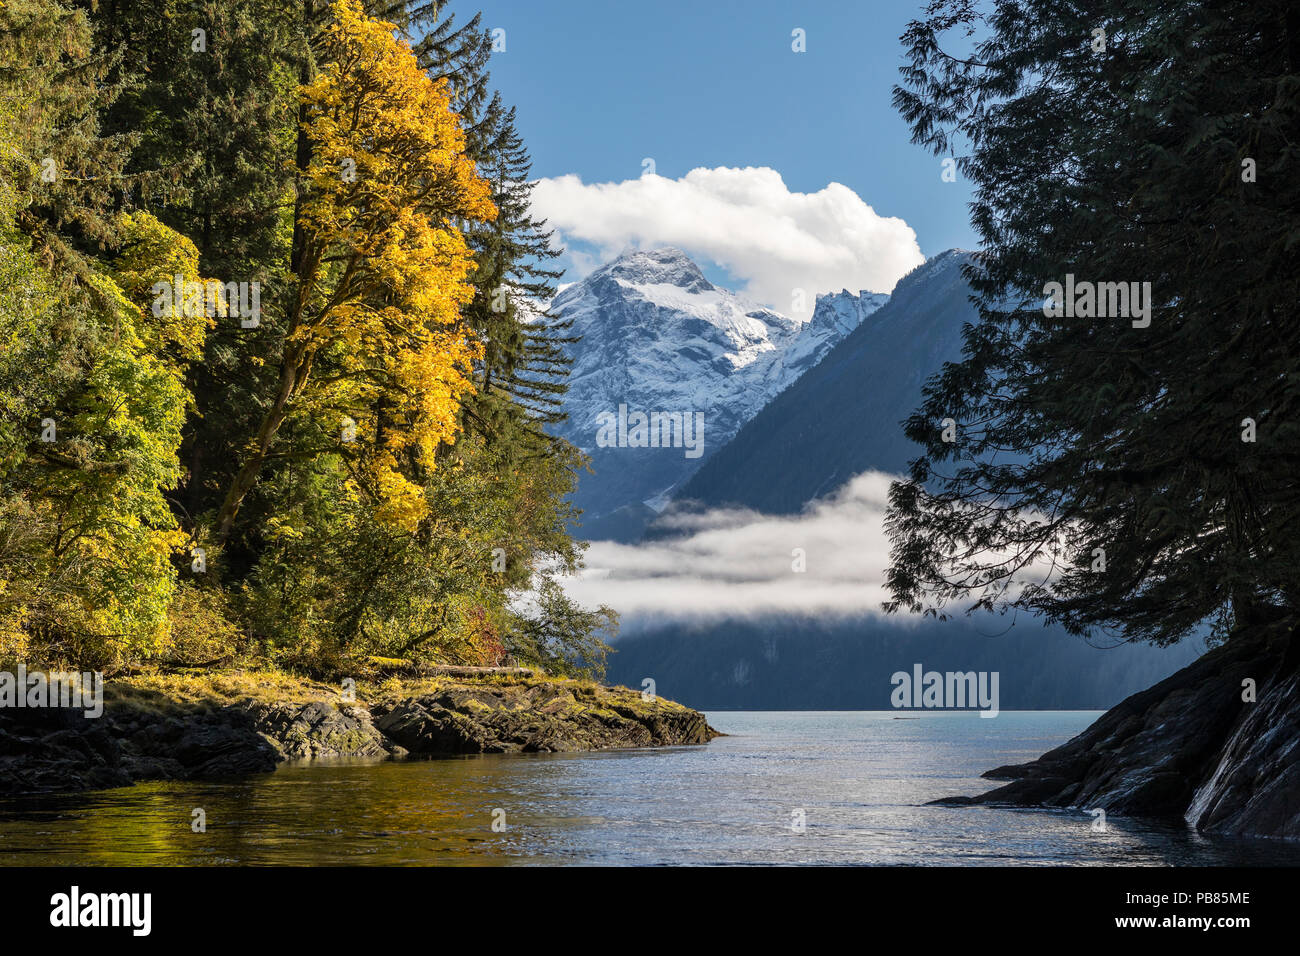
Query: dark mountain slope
{"points": [[843, 416], [795, 664]]}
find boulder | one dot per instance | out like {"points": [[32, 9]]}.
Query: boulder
{"points": [[537, 717], [1192, 747]]}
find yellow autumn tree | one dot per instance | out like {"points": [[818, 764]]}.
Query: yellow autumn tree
{"points": [[374, 347]]}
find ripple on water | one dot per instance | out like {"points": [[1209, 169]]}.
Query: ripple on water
{"points": [[860, 779]]}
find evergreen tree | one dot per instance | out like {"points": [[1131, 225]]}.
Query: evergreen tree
{"points": [[1126, 470], [521, 380], [70, 173], [210, 94], [525, 366]]}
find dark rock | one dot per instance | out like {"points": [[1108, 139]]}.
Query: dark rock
{"points": [[218, 750], [320, 729], [538, 717], [1254, 789], [45, 751], [1189, 747]]}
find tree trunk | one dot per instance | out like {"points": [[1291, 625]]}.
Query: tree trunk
{"points": [[246, 477]]}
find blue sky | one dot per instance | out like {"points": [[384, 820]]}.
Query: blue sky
{"points": [[713, 83]]}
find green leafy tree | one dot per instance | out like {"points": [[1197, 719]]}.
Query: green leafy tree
{"points": [[215, 114], [209, 141], [91, 373]]}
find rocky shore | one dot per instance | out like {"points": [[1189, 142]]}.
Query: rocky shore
{"points": [[153, 732], [1216, 744]]}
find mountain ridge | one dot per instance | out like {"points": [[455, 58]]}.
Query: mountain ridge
{"points": [[657, 336], [844, 415]]}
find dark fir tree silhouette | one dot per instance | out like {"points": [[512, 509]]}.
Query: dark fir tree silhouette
{"points": [[522, 379], [1113, 471]]}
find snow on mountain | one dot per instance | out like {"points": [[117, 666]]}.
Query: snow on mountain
{"points": [[659, 337], [843, 416]]}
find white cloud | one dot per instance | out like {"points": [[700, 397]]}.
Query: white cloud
{"points": [[744, 220], [739, 564]]}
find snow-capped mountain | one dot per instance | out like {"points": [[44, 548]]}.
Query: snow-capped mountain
{"points": [[844, 417], [660, 340]]}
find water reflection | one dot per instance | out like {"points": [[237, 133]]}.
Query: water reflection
{"points": [[861, 780]]}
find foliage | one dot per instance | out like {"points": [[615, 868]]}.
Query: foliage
{"points": [[361, 472], [1103, 470], [88, 534]]}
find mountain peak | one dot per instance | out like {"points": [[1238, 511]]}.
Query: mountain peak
{"points": [[665, 265], [654, 336]]}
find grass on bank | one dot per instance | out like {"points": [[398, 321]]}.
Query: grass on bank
{"points": [[191, 689]]}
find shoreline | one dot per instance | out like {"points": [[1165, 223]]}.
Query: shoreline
{"points": [[226, 724], [1212, 745]]}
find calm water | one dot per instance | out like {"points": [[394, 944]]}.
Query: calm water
{"points": [[860, 778]]}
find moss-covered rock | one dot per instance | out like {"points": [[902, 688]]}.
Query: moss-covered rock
{"points": [[535, 716], [201, 726]]}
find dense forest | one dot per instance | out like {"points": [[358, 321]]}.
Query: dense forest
{"points": [[273, 374]]}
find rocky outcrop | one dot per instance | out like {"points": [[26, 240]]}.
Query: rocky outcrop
{"points": [[1254, 789], [53, 750], [1200, 745], [537, 718], [320, 729], [140, 737], [48, 750]]}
